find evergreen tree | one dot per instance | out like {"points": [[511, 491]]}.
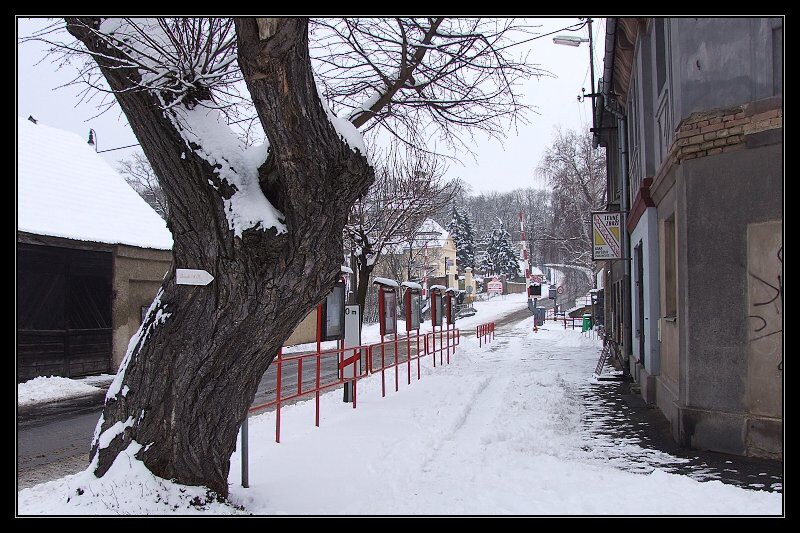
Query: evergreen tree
{"points": [[500, 255], [461, 231]]}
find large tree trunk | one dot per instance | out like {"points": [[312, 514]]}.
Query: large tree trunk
{"points": [[186, 384]]}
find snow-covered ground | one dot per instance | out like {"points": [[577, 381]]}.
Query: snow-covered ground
{"points": [[502, 430], [53, 388]]}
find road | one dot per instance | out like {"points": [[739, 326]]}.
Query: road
{"points": [[53, 440]]}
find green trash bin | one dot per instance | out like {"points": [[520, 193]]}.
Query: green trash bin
{"points": [[587, 322]]}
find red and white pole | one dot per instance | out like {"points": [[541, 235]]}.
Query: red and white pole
{"points": [[525, 251], [528, 275]]}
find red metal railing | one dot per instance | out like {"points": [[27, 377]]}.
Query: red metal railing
{"points": [[344, 357], [485, 333], [448, 339], [379, 349], [417, 345]]}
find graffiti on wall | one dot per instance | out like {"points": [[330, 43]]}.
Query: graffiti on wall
{"points": [[765, 319], [768, 302]]}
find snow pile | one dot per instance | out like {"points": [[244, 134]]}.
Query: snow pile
{"points": [[127, 488], [67, 190], [51, 389]]}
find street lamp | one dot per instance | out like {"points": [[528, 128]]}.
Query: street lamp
{"points": [[572, 40], [93, 142]]}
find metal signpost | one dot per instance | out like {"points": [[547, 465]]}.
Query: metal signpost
{"points": [[387, 314], [552, 294], [451, 318], [352, 338], [413, 302], [437, 311]]}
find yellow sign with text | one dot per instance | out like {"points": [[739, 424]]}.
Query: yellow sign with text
{"points": [[606, 235]]}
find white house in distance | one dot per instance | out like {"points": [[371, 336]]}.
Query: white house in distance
{"points": [[91, 255], [429, 257]]}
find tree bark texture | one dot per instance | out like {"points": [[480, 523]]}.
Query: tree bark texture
{"points": [[191, 378]]}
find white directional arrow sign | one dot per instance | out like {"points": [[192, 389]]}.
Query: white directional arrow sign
{"points": [[188, 276]]}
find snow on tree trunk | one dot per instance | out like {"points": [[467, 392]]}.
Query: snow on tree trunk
{"points": [[191, 372]]}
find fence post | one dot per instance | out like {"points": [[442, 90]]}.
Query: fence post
{"points": [[418, 354], [408, 355], [383, 368], [316, 394], [278, 399], [245, 458]]}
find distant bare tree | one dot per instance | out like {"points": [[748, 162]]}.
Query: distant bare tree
{"points": [[406, 191], [139, 174], [577, 173]]}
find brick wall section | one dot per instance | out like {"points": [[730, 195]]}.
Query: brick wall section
{"points": [[723, 130]]}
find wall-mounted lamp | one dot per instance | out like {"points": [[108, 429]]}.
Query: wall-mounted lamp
{"points": [[574, 40], [93, 142]]}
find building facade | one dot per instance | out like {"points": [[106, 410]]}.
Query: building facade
{"points": [[91, 255], [690, 113]]}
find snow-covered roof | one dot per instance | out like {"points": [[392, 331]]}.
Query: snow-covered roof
{"points": [[385, 281], [438, 287], [430, 233], [412, 285], [346, 269], [65, 189]]}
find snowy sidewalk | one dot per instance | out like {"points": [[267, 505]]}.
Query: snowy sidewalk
{"points": [[503, 430]]}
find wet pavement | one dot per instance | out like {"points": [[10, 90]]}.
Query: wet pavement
{"points": [[617, 413]]}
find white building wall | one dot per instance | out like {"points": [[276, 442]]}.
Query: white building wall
{"points": [[646, 231]]}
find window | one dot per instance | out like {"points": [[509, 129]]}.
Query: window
{"points": [[777, 61], [662, 104], [634, 155], [661, 55]]}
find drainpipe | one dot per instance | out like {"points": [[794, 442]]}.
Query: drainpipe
{"points": [[610, 105]]}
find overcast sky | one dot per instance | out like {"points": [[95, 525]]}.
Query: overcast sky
{"points": [[495, 167]]}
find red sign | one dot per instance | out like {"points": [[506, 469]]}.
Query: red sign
{"points": [[560, 289], [537, 278]]}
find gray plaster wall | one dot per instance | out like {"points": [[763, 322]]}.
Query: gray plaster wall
{"points": [[721, 62], [724, 193]]}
